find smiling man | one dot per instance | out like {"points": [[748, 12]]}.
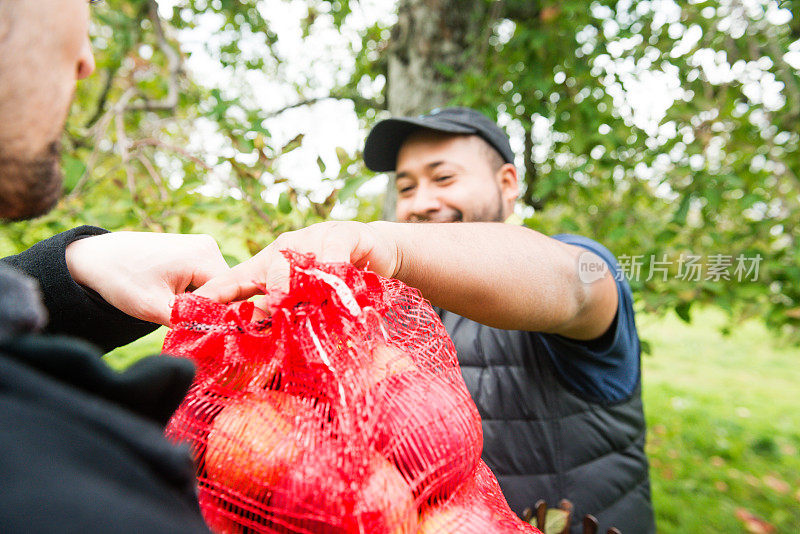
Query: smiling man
{"points": [[545, 333], [561, 404]]}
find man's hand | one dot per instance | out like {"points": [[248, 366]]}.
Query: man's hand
{"points": [[357, 243], [141, 273]]}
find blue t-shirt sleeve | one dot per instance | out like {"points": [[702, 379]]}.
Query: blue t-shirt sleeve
{"points": [[605, 369]]}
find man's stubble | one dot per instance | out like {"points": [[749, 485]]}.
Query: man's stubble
{"points": [[30, 187]]}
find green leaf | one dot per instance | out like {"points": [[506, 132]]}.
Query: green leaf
{"points": [[351, 186], [683, 209], [231, 260], [295, 143], [555, 521], [342, 156], [185, 225], [284, 203], [682, 310], [666, 235], [73, 170]]}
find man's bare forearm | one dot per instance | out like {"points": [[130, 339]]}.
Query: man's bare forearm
{"points": [[502, 275]]}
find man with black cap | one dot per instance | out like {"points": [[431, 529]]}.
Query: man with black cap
{"points": [[543, 326]]}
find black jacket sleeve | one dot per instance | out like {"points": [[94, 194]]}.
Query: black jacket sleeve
{"points": [[74, 310]]}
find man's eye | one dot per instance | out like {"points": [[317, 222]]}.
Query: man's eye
{"points": [[444, 178], [406, 189]]}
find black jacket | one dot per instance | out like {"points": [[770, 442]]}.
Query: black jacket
{"points": [[82, 446], [544, 441]]}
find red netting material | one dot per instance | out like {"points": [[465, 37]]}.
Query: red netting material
{"points": [[344, 412]]}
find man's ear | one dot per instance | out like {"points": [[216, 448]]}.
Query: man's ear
{"points": [[508, 181]]}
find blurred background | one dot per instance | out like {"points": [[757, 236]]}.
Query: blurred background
{"points": [[667, 130]]}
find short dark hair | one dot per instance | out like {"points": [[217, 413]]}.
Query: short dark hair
{"points": [[494, 157]]}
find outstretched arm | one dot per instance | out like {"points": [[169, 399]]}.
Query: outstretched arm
{"points": [[497, 274], [504, 276]]}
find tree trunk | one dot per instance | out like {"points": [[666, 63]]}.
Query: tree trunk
{"points": [[430, 46]]}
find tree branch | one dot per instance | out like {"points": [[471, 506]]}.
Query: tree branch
{"points": [[494, 14], [785, 75], [98, 131], [159, 183], [356, 99], [531, 173], [149, 141], [101, 102], [122, 146], [174, 65]]}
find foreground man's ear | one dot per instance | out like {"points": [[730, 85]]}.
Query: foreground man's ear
{"points": [[508, 180]]}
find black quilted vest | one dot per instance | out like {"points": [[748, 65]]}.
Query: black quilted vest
{"points": [[543, 441]]}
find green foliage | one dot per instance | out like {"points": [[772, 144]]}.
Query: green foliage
{"points": [[715, 177], [132, 159]]}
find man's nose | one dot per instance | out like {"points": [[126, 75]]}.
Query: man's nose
{"points": [[86, 63], [425, 202]]}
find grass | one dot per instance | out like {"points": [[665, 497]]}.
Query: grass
{"points": [[724, 423], [122, 357]]}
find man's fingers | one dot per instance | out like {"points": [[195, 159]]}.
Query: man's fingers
{"points": [[337, 251], [278, 276], [229, 287], [329, 242], [163, 312], [155, 307], [213, 267], [241, 282], [211, 264]]}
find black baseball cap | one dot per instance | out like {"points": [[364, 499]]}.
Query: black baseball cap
{"points": [[384, 141]]}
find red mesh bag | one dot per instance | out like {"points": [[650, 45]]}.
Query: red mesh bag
{"points": [[476, 507], [343, 412]]}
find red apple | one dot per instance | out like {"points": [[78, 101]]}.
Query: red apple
{"points": [[445, 520], [314, 495], [457, 519], [388, 360], [472, 518], [331, 494], [476, 507], [253, 442], [430, 428], [385, 503], [217, 511]]}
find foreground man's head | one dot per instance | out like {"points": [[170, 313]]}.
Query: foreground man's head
{"points": [[44, 50]]}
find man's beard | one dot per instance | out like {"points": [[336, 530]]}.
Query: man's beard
{"points": [[490, 212], [30, 187]]}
